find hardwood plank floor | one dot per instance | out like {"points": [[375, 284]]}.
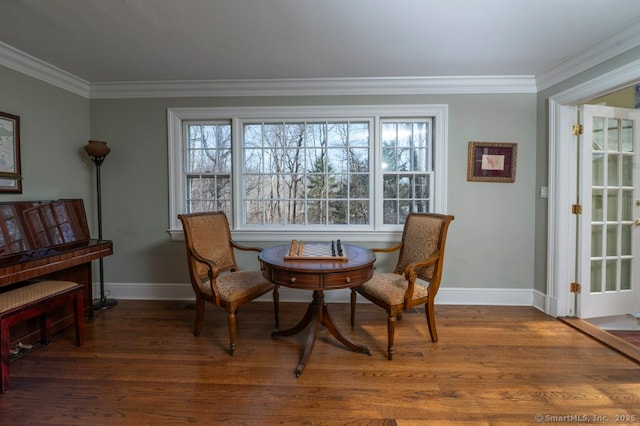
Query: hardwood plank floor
{"points": [[141, 365]]}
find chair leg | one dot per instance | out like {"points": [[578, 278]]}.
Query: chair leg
{"points": [[199, 316], [429, 309], [354, 295], [276, 305], [391, 331], [232, 331]]}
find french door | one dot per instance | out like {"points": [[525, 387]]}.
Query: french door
{"points": [[608, 231]]}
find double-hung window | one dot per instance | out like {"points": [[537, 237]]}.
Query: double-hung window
{"points": [[305, 172], [207, 169], [407, 168]]}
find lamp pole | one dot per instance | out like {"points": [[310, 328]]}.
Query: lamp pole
{"points": [[97, 151]]}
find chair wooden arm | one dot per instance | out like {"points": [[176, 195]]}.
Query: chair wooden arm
{"points": [[213, 268], [212, 273], [411, 275], [244, 248], [411, 268], [387, 249]]}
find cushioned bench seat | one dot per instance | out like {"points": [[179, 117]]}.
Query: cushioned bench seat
{"points": [[31, 301]]}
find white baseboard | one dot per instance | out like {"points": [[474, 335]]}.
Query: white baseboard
{"points": [[446, 295]]}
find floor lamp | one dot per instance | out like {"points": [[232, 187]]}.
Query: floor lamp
{"points": [[98, 150]]}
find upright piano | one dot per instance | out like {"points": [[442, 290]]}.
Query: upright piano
{"points": [[48, 240]]}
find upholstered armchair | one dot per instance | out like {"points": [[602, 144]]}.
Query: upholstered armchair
{"points": [[214, 273], [421, 256]]}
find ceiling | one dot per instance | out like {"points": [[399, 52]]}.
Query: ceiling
{"points": [[102, 41]]}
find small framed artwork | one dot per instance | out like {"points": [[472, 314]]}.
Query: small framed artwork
{"points": [[492, 162], [10, 177]]}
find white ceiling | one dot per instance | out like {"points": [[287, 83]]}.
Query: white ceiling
{"points": [[178, 40]]}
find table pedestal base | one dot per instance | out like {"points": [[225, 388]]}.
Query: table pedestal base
{"points": [[317, 314]]}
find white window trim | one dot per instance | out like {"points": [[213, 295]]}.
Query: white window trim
{"points": [[175, 117]]}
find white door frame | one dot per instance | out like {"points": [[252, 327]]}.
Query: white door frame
{"points": [[562, 176]]}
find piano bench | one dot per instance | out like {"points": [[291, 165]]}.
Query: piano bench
{"points": [[31, 301]]}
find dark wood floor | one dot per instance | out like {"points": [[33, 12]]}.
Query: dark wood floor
{"points": [[632, 337], [141, 365]]}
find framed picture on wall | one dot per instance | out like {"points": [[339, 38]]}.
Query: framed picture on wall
{"points": [[492, 162], [10, 177]]}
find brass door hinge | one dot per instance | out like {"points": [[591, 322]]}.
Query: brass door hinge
{"points": [[576, 209], [575, 288], [577, 129]]}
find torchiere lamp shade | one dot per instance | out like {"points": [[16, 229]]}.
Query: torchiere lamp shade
{"points": [[97, 149]]}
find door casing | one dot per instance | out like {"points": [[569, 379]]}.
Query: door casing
{"points": [[561, 232]]}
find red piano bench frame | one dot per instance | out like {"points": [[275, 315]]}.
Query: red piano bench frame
{"points": [[34, 300]]}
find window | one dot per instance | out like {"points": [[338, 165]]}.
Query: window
{"points": [[306, 173], [407, 168], [302, 172], [208, 166]]}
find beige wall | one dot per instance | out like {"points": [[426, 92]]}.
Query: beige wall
{"points": [[491, 240], [496, 241], [624, 98], [54, 127]]}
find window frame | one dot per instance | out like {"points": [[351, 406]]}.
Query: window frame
{"points": [[376, 231]]}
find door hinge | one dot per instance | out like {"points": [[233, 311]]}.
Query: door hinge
{"points": [[576, 209], [575, 288], [576, 129]]}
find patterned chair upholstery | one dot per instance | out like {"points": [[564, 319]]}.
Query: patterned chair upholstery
{"points": [[421, 255], [214, 273]]}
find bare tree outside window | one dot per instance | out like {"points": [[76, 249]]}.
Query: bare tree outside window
{"points": [[209, 167], [306, 173], [407, 166]]}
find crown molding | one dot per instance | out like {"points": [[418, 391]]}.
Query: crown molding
{"points": [[609, 47], [309, 87], [26, 64], [601, 85]]}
